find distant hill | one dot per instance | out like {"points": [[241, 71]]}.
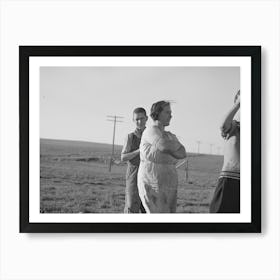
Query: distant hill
{"points": [[52, 147], [69, 146], [73, 143]]}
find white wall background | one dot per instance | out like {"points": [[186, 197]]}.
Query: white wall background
{"points": [[139, 256]]}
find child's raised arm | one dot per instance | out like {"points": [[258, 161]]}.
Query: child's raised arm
{"points": [[227, 121]]}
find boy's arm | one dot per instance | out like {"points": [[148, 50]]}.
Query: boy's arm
{"points": [[129, 156], [126, 154]]}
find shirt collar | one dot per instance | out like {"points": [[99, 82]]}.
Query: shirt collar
{"points": [[138, 132]]}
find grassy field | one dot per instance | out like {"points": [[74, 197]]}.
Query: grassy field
{"points": [[74, 178]]}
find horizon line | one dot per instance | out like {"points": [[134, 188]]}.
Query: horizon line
{"points": [[87, 141]]}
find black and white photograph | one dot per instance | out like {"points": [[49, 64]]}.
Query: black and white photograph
{"points": [[156, 136], [189, 128]]}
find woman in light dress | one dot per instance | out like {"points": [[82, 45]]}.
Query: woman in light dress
{"points": [[160, 150]]}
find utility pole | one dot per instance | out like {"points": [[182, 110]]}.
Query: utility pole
{"points": [[198, 144], [114, 119]]}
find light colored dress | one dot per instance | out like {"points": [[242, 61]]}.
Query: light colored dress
{"points": [[157, 174]]}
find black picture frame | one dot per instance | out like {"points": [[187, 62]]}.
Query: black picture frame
{"points": [[254, 52]]}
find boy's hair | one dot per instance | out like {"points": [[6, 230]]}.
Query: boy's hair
{"points": [[157, 109], [139, 110], [236, 96]]}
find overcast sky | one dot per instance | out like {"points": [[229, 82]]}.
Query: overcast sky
{"points": [[74, 101]]}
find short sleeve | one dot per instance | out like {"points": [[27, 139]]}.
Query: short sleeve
{"points": [[127, 145]]}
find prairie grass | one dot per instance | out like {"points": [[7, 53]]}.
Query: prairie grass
{"points": [[74, 178]]}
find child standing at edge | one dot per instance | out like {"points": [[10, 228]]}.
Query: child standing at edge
{"points": [[227, 194], [131, 154]]}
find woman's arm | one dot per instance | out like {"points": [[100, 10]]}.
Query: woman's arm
{"points": [[180, 153], [172, 146], [168, 146]]}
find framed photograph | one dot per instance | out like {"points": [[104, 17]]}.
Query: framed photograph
{"points": [[140, 139]]}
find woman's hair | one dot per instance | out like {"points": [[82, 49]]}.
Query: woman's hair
{"points": [[157, 109]]}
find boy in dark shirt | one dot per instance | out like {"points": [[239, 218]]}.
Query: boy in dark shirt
{"points": [[131, 154]]}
